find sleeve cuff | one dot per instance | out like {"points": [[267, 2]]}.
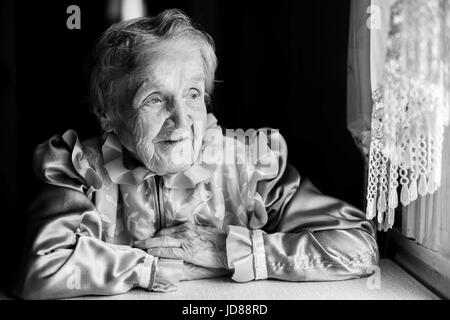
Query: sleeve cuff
{"points": [[246, 254], [146, 272], [166, 274]]}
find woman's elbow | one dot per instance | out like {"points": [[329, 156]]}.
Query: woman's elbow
{"points": [[32, 286], [354, 252], [38, 280], [365, 258]]}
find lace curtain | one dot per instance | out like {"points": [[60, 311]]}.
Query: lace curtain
{"points": [[399, 98], [427, 220]]}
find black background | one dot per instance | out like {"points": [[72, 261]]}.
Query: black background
{"points": [[282, 64]]}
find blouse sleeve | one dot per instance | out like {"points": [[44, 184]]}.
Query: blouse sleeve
{"points": [[295, 232], [65, 255]]}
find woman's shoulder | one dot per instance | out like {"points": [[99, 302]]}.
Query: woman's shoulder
{"points": [[64, 160]]}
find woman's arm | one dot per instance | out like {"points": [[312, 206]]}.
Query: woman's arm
{"points": [[65, 255], [296, 233], [308, 237]]}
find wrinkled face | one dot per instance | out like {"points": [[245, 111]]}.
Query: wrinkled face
{"points": [[166, 123]]}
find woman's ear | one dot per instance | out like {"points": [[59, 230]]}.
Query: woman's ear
{"points": [[105, 122], [208, 103]]}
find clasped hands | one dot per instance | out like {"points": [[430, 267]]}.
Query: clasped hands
{"points": [[202, 248]]}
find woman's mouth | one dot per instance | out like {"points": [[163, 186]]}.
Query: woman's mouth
{"points": [[180, 139], [174, 137]]}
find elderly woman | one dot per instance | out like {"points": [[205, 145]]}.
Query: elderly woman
{"points": [[162, 195]]}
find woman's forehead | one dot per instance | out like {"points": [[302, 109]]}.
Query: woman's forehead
{"points": [[169, 68], [174, 58]]}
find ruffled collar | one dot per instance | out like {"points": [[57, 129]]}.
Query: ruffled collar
{"points": [[124, 169]]}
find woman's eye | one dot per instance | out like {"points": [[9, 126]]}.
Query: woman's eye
{"points": [[154, 99], [193, 94]]}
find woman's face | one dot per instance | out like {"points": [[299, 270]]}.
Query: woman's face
{"points": [[166, 124]]}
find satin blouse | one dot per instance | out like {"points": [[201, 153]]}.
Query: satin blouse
{"points": [[96, 200]]}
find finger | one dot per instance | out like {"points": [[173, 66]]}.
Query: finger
{"points": [[169, 253], [155, 242], [168, 231], [176, 229]]}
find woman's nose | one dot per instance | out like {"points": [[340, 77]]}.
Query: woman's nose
{"points": [[179, 116]]}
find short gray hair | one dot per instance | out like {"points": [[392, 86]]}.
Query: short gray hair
{"points": [[119, 50]]}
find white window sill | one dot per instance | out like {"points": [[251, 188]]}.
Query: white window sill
{"points": [[395, 284]]}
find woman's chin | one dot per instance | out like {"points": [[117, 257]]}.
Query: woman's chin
{"points": [[170, 166]]}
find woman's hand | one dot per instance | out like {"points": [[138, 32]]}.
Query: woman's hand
{"points": [[200, 245]]}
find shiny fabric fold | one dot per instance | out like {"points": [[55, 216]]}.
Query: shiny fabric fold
{"points": [[61, 161], [168, 272], [246, 254], [113, 158]]}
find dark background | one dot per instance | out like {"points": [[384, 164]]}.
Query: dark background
{"points": [[281, 65]]}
